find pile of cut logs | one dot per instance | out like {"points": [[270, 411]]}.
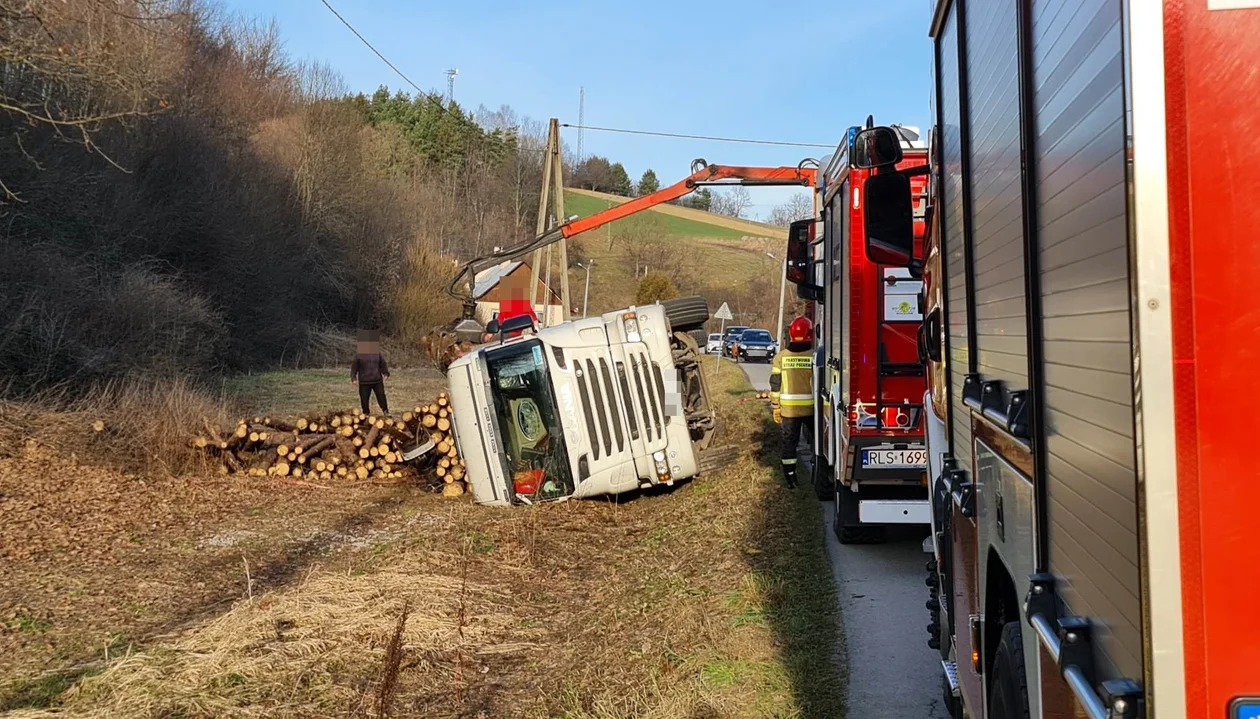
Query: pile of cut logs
{"points": [[346, 445]]}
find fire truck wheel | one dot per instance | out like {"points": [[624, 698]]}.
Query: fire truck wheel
{"points": [[823, 483], [848, 528], [686, 313], [1008, 684]]}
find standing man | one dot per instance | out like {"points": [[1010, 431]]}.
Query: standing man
{"points": [[792, 393], [369, 371]]}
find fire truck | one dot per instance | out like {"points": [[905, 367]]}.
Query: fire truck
{"points": [[1090, 325], [869, 451]]}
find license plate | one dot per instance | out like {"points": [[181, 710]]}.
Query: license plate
{"points": [[894, 458]]}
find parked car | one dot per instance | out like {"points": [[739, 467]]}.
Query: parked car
{"points": [[732, 335], [755, 346], [714, 344]]}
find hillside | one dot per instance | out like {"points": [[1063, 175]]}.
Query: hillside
{"points": [[720, 257]]}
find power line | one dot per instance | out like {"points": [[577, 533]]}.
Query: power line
{"points": [[699, 137], [423, 93]]}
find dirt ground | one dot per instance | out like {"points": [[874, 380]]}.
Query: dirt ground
{"points": [[124, 595]]}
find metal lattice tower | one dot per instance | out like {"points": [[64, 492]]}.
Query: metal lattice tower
{"points": [[581, 121], [450, 84]]}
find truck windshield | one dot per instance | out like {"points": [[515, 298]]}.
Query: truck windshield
{"points": [[536, 459]]}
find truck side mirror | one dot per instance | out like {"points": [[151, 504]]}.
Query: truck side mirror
{"points": [[800, 260], [889, 219], [876, 147]]}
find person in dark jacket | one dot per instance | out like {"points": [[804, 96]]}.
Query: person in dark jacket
{"points": [[369, 371]]}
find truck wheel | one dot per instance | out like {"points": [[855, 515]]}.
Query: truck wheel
{"points": [[686, 313], [823, 481], [849, 530], [1008, 684]]}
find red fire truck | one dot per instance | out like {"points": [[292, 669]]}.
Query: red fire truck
{"points": [[1090, 332], [870, 455]]}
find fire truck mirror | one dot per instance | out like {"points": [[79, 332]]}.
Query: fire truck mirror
{"points": [[889, 221], [876, 147], [799, 252]]}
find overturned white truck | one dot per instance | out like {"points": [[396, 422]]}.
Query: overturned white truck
{"points": [[596, 406]]}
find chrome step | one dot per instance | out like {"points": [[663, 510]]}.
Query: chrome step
{"points": [[951, 675]]}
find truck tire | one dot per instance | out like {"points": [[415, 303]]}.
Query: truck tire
{"points": [[1008, 683], [823, 482], [848, 529], [687, 313], [701, 337]]}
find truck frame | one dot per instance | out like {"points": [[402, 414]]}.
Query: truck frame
{"points": [[869, 451], [1093, 523]]}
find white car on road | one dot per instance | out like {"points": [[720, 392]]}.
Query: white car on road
{"points": [[714, 345]]}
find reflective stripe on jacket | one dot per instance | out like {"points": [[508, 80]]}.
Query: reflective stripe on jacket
{"points": [[792, 383]]}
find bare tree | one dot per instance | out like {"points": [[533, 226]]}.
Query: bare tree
{"points": [[733, 202], [799, 207]]}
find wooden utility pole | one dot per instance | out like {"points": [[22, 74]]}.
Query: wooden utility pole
{"points": [[553, 190]]}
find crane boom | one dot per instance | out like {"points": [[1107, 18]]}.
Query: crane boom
{"points": [[702, 174]]}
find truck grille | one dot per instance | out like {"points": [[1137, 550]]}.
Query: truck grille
{"points": [[650, 395], [599, 405]]}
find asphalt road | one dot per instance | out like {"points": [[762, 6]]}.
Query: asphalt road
{"points": [[891, 670]]}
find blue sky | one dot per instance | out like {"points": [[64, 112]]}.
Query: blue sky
{"points": [[767, 70]]}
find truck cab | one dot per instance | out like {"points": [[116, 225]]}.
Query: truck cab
{"points": [[596, 406]]}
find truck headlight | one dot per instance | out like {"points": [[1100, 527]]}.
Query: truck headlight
{"points": [[662, 467], [631, 324]]}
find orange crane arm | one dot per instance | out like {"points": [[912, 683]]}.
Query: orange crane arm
{"points": [[705, 175], [702, 174]]}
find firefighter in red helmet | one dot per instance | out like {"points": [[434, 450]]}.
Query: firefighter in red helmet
{"points": [[792, 393]]}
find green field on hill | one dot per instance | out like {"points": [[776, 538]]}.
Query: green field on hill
{"points": [[714, 258], [585, 205]]}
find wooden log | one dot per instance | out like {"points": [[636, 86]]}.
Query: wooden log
{"points": [[254, 437], [292, 456], [302, 423], [443, 424], [382, 448], [276, 438], [342, 470], [214, 434], [312, 451], [346, 431], [407, 417], [335, 421], [440, 471], [361, 472], [443, 399], [325, 475], [280, 424], [283, 450], [280, 469], [372, 452], [357, 441], [453, 490], [443, 447], [429, 420], [311, 440], [442, 413]]}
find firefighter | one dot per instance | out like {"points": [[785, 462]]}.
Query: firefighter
{"points": [[792, 393]]}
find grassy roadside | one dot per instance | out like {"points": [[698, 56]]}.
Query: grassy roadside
{"points": [[713, 599]]}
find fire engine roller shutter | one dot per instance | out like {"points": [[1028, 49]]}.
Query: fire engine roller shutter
{"points": [[996, 221], [1084, 284], [955, 258]]}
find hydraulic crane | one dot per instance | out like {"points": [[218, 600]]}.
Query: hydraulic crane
{"points": [[702, 174]]}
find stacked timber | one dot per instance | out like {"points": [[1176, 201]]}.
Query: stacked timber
{"points": [[350, 446]]}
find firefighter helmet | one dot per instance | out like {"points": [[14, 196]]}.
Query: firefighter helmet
{"points": [[801, 330]]}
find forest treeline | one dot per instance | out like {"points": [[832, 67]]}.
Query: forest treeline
{"points": [[177, 195]]}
